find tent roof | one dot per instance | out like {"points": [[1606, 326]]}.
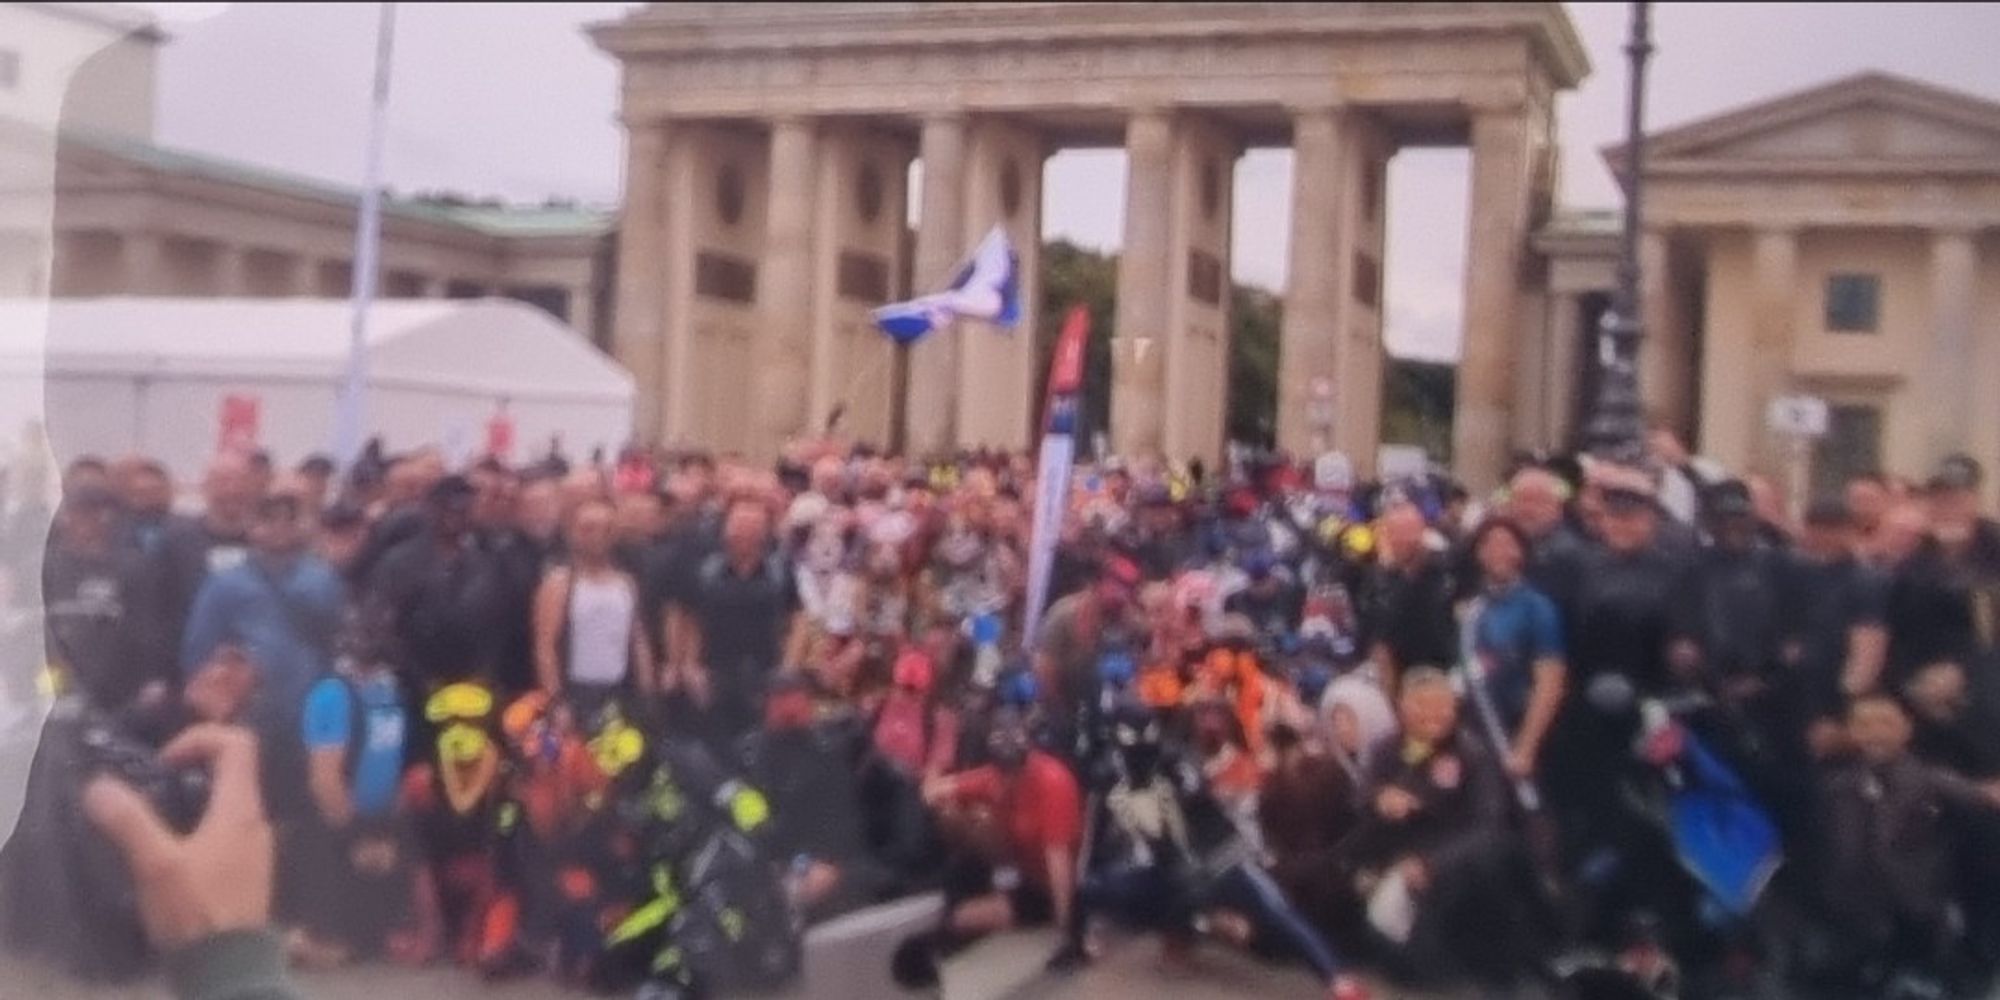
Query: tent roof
{"points": [[489, 345]]}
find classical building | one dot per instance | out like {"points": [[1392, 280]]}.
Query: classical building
{"points": [[768, 142], [1839, 242], [1842, 242], [129, 217]]}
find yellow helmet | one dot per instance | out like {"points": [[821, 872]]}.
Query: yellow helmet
{"points": [[1358, 542]]}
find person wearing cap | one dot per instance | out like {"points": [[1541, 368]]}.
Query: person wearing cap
{"points": [[1014, 827], [97, 617], [1843, 640], [1623, 630], [1968, 542], [1743, 621], [284, 607], [444, 597], [1270, 598], [1078, 630]]}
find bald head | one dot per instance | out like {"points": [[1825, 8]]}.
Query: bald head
{"points": [[1402, 533], [1535, 501]]}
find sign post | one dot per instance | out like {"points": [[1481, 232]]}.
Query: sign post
{"points": [[1798, 421]]}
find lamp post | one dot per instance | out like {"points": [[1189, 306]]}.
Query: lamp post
{"points": [[1616, 431]]}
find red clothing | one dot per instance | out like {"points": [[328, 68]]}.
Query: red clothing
{"points": [[1041, 808]]}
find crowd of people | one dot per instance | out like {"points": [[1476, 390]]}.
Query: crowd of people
{"points": [[641, 721]]}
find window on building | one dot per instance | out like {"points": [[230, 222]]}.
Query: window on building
{"points": [[1852, 446], [10, 69], [1853, 303]]}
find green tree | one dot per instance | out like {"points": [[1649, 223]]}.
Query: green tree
{"points": [[1417, 401], [1254, 319], [1072, 276], [1417, 396]]}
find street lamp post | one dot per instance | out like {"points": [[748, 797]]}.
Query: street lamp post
{"points": [[1616, 431]]}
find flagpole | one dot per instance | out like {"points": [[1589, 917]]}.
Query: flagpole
{"points": [[351, 417]]}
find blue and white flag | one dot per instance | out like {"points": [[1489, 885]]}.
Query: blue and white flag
{"points": [[987, 287]]}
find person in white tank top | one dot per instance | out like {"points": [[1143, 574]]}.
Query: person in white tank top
{"points": [[587, 629]]}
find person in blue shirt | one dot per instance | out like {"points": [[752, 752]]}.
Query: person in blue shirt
{"points": [[283, 606], [1519, 639], [348, 872]]}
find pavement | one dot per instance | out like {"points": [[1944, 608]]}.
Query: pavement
{"points": [[1005, 968]]}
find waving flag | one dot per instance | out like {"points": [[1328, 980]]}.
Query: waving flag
{"points": [[987, 287], [1059, 426]]}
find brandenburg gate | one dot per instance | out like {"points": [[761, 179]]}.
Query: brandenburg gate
{"points": [[770, 146]]}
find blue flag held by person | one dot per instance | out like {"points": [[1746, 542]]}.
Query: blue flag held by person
{"points": [[987, 287]]}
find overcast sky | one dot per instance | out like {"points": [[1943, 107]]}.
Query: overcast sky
{"points": [[512, 100]]}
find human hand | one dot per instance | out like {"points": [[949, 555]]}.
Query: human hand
{"points": [[695, 680], [936, 791], [1396, 805], [1825, 738], [218, 878], [1521, 763], [1415, 874]]}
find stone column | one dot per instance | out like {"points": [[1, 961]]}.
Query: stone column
{"points": [[1195, 384], [674, 308], [1663, 355], [143, 258], [781, 350], [933, 362], [1138, 356], [582, 310], [1774, 280], [636, 341], [1308, 348], [1500, 192], [996, 377], [1566, 344], [1954, 266]]}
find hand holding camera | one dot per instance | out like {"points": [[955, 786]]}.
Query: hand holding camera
{"points": [[214, 874]]}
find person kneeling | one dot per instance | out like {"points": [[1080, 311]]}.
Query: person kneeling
{"points": [[1445, 884], [1169, 852], [1894, 825]]}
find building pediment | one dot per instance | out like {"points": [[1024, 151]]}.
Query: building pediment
{"points": [[1871, 123]]}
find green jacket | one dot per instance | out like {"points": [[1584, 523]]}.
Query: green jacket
{"points": [[239, 965]]}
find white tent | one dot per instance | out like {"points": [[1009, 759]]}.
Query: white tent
{"points": [[116, 375]]}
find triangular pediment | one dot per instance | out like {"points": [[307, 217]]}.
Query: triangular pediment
{"points": [[1874, 121]]}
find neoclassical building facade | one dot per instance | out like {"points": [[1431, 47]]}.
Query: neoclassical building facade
{"points": [[767, 147], [1841, 242]]}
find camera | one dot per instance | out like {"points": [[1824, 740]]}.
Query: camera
{"points": [[67, 889], [104, 748]]}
